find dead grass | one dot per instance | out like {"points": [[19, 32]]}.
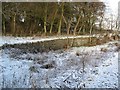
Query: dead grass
{"points": [[77, 54], [104, 49], [118, 47]]}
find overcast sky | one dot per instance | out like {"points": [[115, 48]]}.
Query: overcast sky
{"points": [[113, 5]]}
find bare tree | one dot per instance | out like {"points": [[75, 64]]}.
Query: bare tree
{"points": [[60, 22]]}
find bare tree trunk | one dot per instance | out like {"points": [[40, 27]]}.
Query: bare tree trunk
{"points": [[4, 28], [45, 30], [100, 24], [51, 27], [13, 24], [64, 20], [59, 28], [45, 20], [68, 27], [60, 23], [80, 29], [83, 29], [91, 28], [74, 32]]}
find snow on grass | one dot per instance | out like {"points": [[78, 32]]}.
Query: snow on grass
{"points": [[107, 74], [100, 68]]}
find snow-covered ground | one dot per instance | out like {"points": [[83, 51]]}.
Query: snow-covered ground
{"points": [[16, 40], [77, 67]]}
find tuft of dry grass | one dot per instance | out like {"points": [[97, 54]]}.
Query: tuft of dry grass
{"points": [[117, 44], [118, 47], [104, 49], [47, 66], [77, 54], [33, 69]]}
